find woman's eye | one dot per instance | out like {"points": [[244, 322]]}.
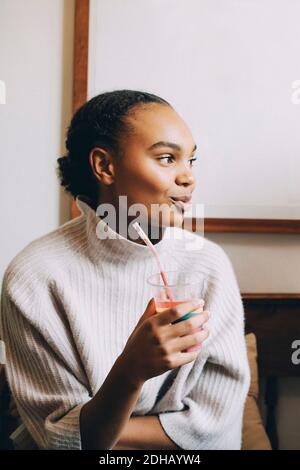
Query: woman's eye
{"points": [[167, 158], [170, 159], [192, 160]]}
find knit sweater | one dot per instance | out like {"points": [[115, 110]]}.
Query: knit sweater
{"points": [[70, 300]]}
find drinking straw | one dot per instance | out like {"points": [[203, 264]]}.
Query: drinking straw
{"points": [[150, 245]]}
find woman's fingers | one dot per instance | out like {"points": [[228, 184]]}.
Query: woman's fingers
{"points": [[187, 326], [185, 342], [176, 313]]}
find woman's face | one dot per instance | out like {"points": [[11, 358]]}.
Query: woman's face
{"points": [[156, 164]]}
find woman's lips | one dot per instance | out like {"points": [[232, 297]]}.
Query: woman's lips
{"points": [[180, 205]]}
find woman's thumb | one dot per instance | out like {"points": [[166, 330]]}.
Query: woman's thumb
{"points": [[150, 310]]}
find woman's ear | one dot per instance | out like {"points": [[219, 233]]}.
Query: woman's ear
{"points": [[102, 165]]}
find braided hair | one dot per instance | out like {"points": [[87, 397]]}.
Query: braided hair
{"points": [[100, 122]]}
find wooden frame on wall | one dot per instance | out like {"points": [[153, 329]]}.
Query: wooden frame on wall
{"points": [[80, 84], [260, 308], [80, 67]]}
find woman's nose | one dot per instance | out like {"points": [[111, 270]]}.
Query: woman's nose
{"points": [[185, 178]]}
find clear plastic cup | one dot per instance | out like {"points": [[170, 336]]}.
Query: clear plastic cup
{"points": [[182, 286]]}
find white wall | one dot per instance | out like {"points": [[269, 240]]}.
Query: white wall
{"points": [[228, 68], [36, 60]]}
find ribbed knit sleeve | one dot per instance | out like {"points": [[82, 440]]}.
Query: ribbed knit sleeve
{"points": [[48, 391], [208, 412]]}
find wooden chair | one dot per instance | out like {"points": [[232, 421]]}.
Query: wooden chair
{"points": [[275, 321]]}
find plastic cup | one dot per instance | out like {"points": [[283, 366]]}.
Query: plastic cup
{"points": [[182, 286]]}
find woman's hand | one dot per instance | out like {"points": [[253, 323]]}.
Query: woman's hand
{"points": [[156, 345]]}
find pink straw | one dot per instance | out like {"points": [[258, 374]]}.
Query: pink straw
{"points": [[150, 245]]}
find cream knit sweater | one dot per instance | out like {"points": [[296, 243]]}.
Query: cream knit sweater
{"points": [[69, 303]]}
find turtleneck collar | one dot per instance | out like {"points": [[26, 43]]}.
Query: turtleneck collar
{"points": [[102, 239]]}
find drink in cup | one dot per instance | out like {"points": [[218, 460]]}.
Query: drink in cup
{"points": [[181, 286]]}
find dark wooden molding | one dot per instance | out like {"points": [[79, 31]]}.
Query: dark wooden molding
{"points": [[214, 225], [271, 296], [80, 67], [81, 52]]}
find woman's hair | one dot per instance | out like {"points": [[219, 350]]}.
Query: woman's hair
{"points": [[100, 122]]}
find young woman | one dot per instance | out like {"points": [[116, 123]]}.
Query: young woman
{"points": [[90, 362]]}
